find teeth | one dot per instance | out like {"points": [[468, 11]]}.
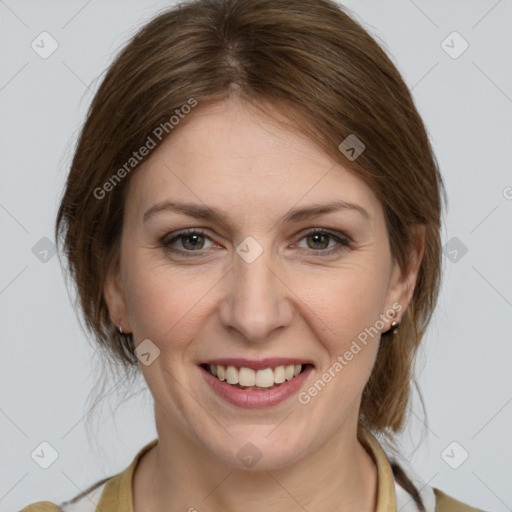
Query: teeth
{"points": [[249, 378], [264, 378], [231, 375], [279, 374]]}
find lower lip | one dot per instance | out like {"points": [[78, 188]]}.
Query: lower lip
{"points": [[254, 399]]}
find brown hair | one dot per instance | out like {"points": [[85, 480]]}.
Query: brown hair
{"points": [[316, 65]]}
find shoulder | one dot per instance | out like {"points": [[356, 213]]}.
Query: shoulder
{"points": [[41, 506], [114, 491], [432, 499], [445, 503], [86, 501]]}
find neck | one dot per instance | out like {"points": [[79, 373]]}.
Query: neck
{"points": [[178, 475]]}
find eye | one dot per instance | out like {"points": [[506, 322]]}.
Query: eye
{"points": [[189, 240], [321, 241]]}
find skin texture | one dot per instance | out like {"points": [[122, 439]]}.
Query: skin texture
{"points": [[293, 301]]}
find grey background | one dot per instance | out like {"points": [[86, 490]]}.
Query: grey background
{"points": [[47, 368]]}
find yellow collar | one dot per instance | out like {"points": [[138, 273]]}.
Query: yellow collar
{"points": [[386, 501], [117, 495]]}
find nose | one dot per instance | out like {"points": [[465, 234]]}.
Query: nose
{"points": [[257, 302]]}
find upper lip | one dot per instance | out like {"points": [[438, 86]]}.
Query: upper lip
{"points": [[259, 364]]}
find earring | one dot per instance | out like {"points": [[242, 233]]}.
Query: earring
{"points": [[393, 328], [120, 329]]}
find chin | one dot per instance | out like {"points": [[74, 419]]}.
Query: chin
{"points": [[253, 449]]}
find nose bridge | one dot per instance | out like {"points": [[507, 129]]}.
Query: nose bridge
{"points": [[256, 303]]}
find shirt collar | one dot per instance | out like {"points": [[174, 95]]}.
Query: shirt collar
{"points": [[117, 495], [386, 500]]}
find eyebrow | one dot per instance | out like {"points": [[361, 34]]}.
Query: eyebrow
{"points": [[202, 211]]}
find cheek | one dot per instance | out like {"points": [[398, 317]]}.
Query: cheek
{"points": [[342, 311], [163, 303], [344, 319], [168, 302], [345, 301]]}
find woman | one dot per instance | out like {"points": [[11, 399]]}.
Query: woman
{"points": [[252, 218]]}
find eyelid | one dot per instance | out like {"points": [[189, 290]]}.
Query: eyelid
{"points": [[344, 241], [176, 235], [332, 232]]}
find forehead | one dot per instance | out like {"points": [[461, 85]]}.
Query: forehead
{"points": [[228, 154]]}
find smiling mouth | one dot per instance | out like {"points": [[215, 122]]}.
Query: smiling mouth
{"points": [[249, 379]]}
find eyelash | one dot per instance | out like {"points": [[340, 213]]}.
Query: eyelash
{"points": [[344, 242]]}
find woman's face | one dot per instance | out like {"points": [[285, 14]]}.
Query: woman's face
{"points": [[253, 282]]}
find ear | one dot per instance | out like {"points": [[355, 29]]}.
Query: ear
{"points": [[402, 283], [113, 292]]}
